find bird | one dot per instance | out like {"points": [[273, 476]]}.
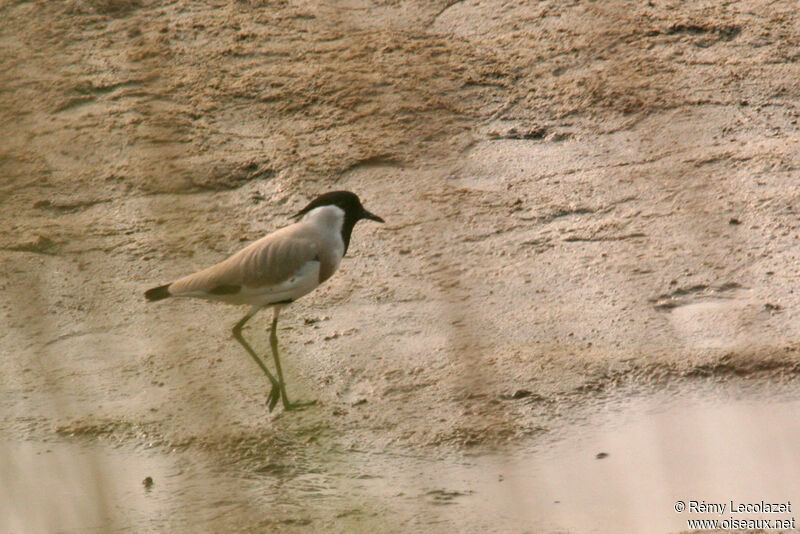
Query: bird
{"points": [[276, 270]]}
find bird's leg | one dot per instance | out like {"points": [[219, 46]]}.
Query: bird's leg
{"points": [[275, 392], [273, 341]]}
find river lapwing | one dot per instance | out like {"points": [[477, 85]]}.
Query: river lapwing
{"points": [[278, 269]]}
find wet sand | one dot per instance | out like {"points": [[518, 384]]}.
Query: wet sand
{"points": [[618, 464]]}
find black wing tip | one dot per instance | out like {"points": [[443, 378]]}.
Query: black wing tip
{"points": [[225, 290], [157, 293]]}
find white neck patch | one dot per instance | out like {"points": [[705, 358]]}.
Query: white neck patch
{"points": [[328, 221], [327, 218]]}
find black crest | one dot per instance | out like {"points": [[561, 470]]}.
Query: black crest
{"points": [[347, 202]]}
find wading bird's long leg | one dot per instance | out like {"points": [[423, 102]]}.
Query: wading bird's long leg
{"points": [[275, 392], [273, 342]]}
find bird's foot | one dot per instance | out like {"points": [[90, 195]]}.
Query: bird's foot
{"points": [[274, 397], [299, 405]]}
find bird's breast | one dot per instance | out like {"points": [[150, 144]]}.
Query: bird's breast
{"points": [[328, 264]]}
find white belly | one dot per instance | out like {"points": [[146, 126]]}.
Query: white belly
{"points": [[301, 283]]}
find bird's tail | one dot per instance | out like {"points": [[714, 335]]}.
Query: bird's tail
{"points": [[157, 293]]}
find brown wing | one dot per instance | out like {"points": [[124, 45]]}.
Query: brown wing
{"points": [[269, 261]]}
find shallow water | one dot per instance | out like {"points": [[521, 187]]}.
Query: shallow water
{"points": [[79, 487], [624, 469], [66, 487], [620, 467]]}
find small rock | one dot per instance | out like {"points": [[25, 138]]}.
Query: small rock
{"points": [[147, 482], [41, 245], [734, 221], [522, 394], [537, 132], [601, 455]]}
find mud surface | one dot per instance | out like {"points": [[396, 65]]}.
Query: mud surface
{"points": [[579, 196]]}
